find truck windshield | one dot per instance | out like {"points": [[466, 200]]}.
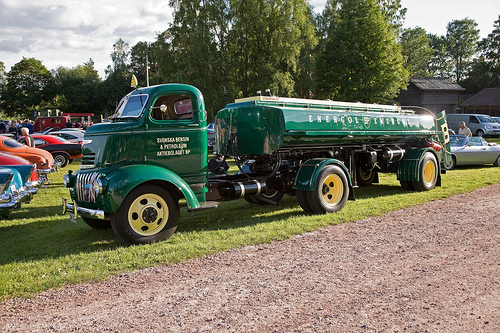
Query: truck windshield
{"points": [[130, 106]]}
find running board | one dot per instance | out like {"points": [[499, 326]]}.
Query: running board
{"points": [[206, 205]]}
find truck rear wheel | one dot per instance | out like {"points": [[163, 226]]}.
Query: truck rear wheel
{"points": [[331, 193], [148, 214], [271, 197], [365, 177], [428, 173]]}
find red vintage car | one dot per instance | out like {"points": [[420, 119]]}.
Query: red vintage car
{"points": [[13, 160], [42, 158], [62, 150]]}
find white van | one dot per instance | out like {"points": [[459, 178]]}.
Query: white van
{"points": [[479, 124]]}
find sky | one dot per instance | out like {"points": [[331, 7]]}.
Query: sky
{"points": [[70, 32]]}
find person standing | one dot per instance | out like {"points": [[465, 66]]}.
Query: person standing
{"points": [[464, 129], [28, 139]]}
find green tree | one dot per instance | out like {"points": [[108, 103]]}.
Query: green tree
{"points": [[440, 64], [417, 52], [359, 60], [198, 38], [29, 83], [2, 79], [485, 69], [462, 38], [118, 76], [77, 88], [268, 39]]}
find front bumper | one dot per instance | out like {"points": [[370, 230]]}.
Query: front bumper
{"points": [[73, 209]]}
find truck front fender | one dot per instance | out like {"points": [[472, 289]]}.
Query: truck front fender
{"points": [[306, 177], [122, 180]]}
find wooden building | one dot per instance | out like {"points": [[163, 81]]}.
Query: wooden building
{"points": [[487, 101], [435, 94]]}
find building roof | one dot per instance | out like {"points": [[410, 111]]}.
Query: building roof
{"points": [[486, 97], [435, 83]]}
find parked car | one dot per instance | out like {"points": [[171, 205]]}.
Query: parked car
{"points": [[473, 151], [62, 150], [497, 119], [73, 135], [43, 159], [479, 124], [23, 166], [16, 184], [41, 123], [211, 134]]}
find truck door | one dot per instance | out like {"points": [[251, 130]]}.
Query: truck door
{"points": [[176, 136]]}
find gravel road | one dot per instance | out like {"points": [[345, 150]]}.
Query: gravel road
{"points": [[429, 268]]}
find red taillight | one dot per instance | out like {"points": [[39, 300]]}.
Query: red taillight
{"points": [[434, 145]]}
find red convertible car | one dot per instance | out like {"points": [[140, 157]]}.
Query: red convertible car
{"points": [[62, 150]]}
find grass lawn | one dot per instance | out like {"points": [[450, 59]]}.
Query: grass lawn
{"points": [[41, 249]]}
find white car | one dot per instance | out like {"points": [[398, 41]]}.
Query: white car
{"points": [[473, 151], [72, 135]]}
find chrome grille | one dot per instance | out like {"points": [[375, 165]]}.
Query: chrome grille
{"points": [[84, 187], [88, 161]]}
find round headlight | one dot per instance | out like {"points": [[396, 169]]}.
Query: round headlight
{"points": [[97, 185], [66, 180]]}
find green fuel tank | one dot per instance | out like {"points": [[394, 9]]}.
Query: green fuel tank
{"points": [[264, 124]]}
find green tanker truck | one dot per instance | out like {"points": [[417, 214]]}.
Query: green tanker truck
{"points": [[153, 154]]}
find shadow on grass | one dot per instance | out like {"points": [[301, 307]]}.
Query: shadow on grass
{"points": [[56, 236]]}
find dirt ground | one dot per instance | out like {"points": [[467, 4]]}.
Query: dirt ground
{"points": [[430, 268]]}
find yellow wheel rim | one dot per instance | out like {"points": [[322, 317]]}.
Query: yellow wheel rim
{"points": [[333, 189], [148, 214], [429, 172]]}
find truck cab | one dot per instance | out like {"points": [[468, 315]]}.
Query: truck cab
{"points": [[156, 141]]}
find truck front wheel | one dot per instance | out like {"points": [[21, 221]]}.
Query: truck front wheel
{"points": [[331, 193], [148, 214]]}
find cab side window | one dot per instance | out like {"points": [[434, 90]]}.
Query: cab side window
{"points": [[172, 107], [473, 120]]}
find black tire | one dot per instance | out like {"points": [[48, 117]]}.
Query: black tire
{"points": [[480, 132], [365, 177], [270, 197], [302, 199], [452, 165], [406, 185], [497, 162], [332, 191], [61, 158], [148, 214], [96, 223], [428, 173]]}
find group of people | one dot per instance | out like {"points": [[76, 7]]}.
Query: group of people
{"points": [[15, 127]]}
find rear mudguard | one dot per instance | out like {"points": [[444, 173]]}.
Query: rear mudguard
{"points": [[119, 182], [308, 174], [408, 169]]}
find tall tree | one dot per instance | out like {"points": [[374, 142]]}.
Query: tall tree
{"points": [[77, 88], [29, 83], [2, 79], [485, 69], [359, 60], [462, 37], [417, 52], [267, 43], [199, 44], [440, 64], [117, 82]]}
